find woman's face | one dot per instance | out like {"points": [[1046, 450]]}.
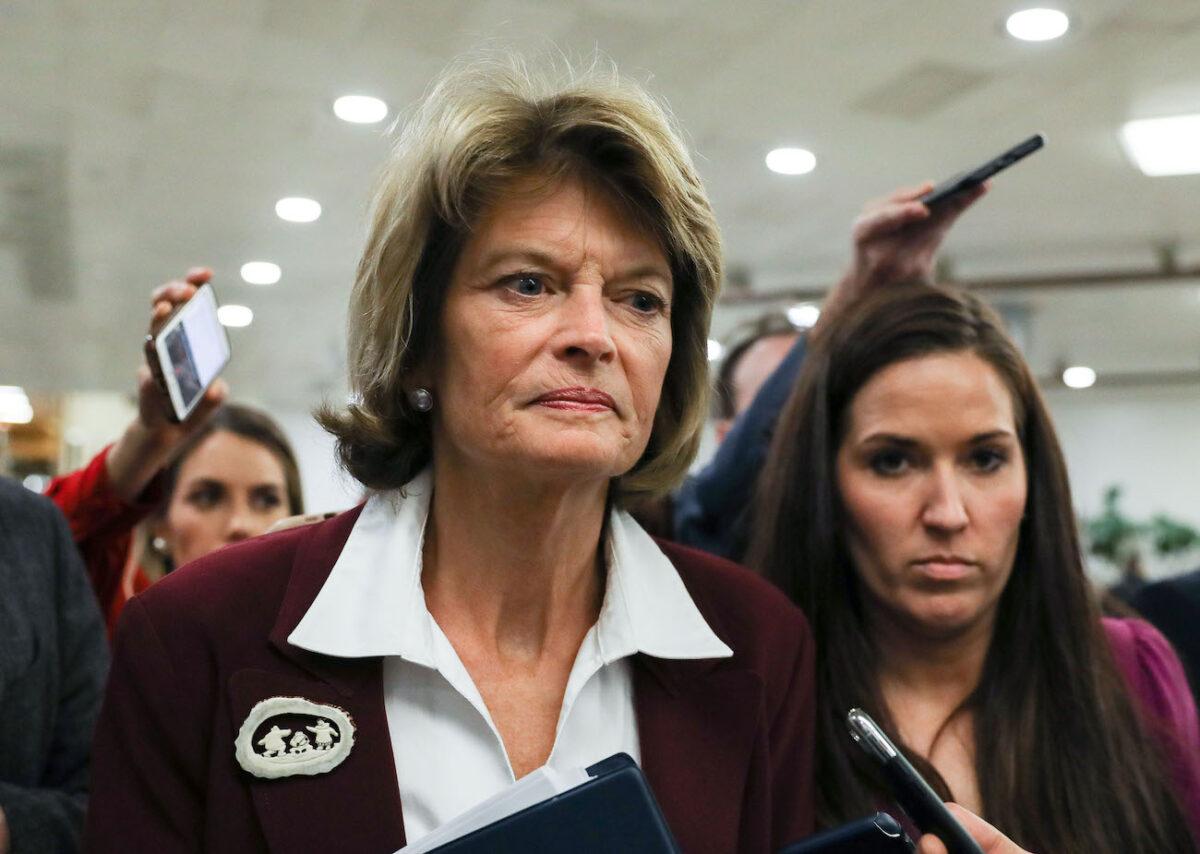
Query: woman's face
{"points": [[228, 489], [556, 336], [932, 482]]}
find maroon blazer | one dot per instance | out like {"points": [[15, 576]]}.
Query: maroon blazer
{"points": [[727, 744]]}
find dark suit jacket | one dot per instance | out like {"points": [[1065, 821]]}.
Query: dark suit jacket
{"points": [[53, 660], [726, 744]]}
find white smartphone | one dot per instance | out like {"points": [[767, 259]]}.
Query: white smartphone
{"points": [[191, 350]]}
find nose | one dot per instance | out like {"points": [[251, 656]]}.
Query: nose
{"points": [[241, 524], [584, 333], [944, 508]]}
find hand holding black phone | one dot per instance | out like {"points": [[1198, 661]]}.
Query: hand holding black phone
{"points": [[974, 177], [918, 800]]}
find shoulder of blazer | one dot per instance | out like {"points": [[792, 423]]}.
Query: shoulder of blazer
{"points": [[767, 633]]}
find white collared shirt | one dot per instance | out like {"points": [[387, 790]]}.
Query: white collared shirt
{"points": [[448, 753]]}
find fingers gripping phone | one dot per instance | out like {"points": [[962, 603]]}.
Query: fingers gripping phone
{"points": [[190, 351], [918, 800], [974, 177]]}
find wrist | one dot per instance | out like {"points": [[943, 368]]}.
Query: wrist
{"points": [[139, 455]]}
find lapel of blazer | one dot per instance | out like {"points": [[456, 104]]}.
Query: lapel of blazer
{"points": [[356, 806], [699, 727]]}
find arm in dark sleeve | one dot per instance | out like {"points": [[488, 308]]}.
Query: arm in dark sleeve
{"points": [[47, 817], [712, 506], [148, 758]]}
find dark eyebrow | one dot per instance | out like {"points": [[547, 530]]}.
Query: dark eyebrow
{"points": [[990, 435], [891, 439], [906, 442]]}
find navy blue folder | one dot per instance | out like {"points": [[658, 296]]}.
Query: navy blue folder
{"points": [[614, 811]]}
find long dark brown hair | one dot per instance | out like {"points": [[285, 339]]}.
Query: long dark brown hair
{"points": [[1065, 761]]}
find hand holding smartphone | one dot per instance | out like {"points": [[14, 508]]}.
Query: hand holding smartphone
{"points": [[974, 177], [915, 796], [189, 352]]}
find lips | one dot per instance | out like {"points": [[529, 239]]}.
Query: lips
{"points": [[582, 399], [944, 567]]}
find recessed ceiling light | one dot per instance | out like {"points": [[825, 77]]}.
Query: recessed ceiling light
{"points": [[715, 350], [14, 405], [1037, 25], [804, 315], [791, 161], [360, 109], [1166, 146], [298, 209], [235, 315], [261, 272], [1078, 376]]}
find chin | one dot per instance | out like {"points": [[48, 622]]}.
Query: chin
{"points": [[945, 617], [581, 451]]}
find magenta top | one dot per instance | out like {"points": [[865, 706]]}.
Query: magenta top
{"points": [[1155, 676]]}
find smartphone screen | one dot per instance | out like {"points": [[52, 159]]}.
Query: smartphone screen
{"points": [[192, 350]]}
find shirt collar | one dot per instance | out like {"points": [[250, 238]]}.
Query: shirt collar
{"points": [[372, 603]]}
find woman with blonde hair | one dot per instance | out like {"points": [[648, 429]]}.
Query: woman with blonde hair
{"points": [[527, 341]]}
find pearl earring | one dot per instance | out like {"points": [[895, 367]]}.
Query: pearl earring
{"points": [[421, 399]]}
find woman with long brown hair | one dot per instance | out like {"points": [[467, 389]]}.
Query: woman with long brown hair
{"points": [[916, 506]]}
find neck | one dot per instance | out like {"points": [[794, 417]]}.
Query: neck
{"points": [[514, 566], [941, 670]]}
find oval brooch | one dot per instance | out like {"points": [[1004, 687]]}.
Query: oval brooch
{"points": [[288, 736]]}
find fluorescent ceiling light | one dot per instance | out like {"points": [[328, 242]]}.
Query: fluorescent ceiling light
{"points": [[1166, 146], [235, 315], [1037, 25], [14, 405], [804, 315], [715, 350], [791, 161], [360, 109], [298, 209], [1079, 376], [261, 272]]}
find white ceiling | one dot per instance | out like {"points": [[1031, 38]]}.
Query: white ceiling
{"points": [[138, 137]]}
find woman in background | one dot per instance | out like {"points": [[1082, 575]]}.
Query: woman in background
{"points": [[225, 474], [916, 506]]}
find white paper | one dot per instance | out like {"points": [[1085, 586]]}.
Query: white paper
{"points": [[535, 787]]}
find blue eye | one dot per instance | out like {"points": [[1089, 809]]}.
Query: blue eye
{"points": [[646, 303], [527, 284]]}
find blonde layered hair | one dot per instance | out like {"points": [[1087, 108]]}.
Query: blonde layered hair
{"points": [[482, 127]]}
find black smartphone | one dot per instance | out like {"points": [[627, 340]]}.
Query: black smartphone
{"points": [[975, 177], [876, 834], [190, 351], [918, 800]]}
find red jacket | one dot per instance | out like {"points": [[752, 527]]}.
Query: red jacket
{"points": [[726, 744], [102, 526]]}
